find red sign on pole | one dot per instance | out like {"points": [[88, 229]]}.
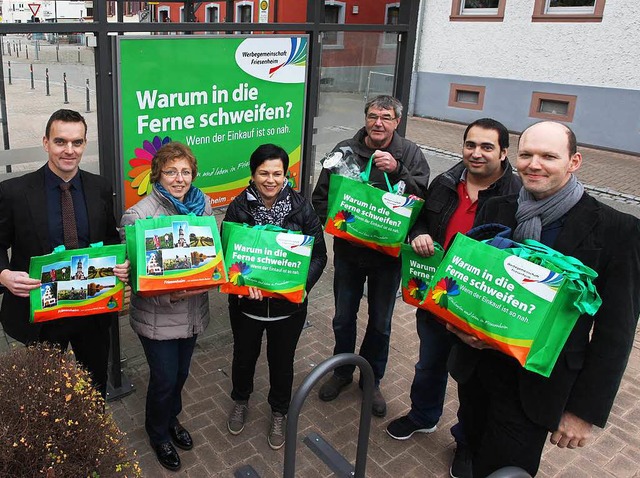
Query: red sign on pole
{"points": [[35, 8]]}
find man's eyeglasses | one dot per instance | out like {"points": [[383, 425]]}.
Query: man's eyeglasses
{"points": [[172, 173], [384, 118]]}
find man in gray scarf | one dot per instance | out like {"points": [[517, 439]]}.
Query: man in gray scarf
{"points": [[508, 410]]}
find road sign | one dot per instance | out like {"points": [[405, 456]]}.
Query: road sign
{"points": [[263, 13], [35, 8]]}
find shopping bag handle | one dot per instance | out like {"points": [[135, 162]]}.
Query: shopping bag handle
{"points": [[367, 173], [267, 227], [193, 214], [437, 247], [61, 247]]}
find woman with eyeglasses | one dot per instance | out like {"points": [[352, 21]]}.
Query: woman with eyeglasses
{"points": [[169, 324]]}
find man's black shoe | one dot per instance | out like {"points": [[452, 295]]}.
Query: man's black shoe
{"points": [[461, 466], [167, 456], [181, 437], [332, 387]]}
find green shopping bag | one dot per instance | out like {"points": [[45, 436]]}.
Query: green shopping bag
{"points": [[523, 300], [76, 282], [369, 216], [270, 258], [417, 272], [174, 253]]}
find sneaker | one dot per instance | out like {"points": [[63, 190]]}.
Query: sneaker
{"points": [[379, 405], [276, 431], [237, 417], [332, 387], [403, 428], [461, 465]]}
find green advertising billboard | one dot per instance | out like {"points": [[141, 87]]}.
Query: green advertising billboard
{"points": [[221, 95]]}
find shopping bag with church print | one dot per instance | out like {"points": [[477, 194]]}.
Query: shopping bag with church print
{"points": [[76, 282], [366, 215], [523, 300], [174, 253], [270, 258], [417, 272]]}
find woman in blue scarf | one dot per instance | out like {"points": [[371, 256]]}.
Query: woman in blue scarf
{"points": [[169, 324]]}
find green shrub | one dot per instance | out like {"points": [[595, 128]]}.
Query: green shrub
{"points": [[52, 421]]}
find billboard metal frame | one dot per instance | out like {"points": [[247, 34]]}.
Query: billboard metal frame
{"points": [[105, 32]]}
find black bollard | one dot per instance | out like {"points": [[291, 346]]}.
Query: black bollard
{"points": [[66, 95], [9, 64], [26, 51], [31, 74], [46, 77], [9, 48], [57, 53], [78, 54], [88, 110], [16, 50]]}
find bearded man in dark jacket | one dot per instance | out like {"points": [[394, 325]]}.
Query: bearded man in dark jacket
{"points": [[451, 204]]}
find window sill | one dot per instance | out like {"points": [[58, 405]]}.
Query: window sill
{"points": [[567, 18], [476, 18]]}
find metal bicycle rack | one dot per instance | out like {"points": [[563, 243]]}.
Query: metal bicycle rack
{"points": [[334, 460]]}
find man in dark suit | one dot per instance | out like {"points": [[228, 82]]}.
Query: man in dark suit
{"points": [[507, 410], [32, 224]]}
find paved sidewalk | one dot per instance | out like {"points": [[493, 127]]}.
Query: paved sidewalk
{"points": [[613, 452]]}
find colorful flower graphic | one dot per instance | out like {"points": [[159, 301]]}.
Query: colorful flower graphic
{"points": [[342, 219], [140, 173], [417, 288], [444, 288], [237, 273], [291, 177]]}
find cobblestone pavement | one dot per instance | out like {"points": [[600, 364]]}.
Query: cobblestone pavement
{"points": [[613, 452]]}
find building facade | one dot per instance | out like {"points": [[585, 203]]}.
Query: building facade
{"points": [[60, 11], [574, 61]]}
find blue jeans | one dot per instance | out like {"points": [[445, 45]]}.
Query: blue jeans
{"points": [[169, 362], [430, 380], [383, 280]]}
